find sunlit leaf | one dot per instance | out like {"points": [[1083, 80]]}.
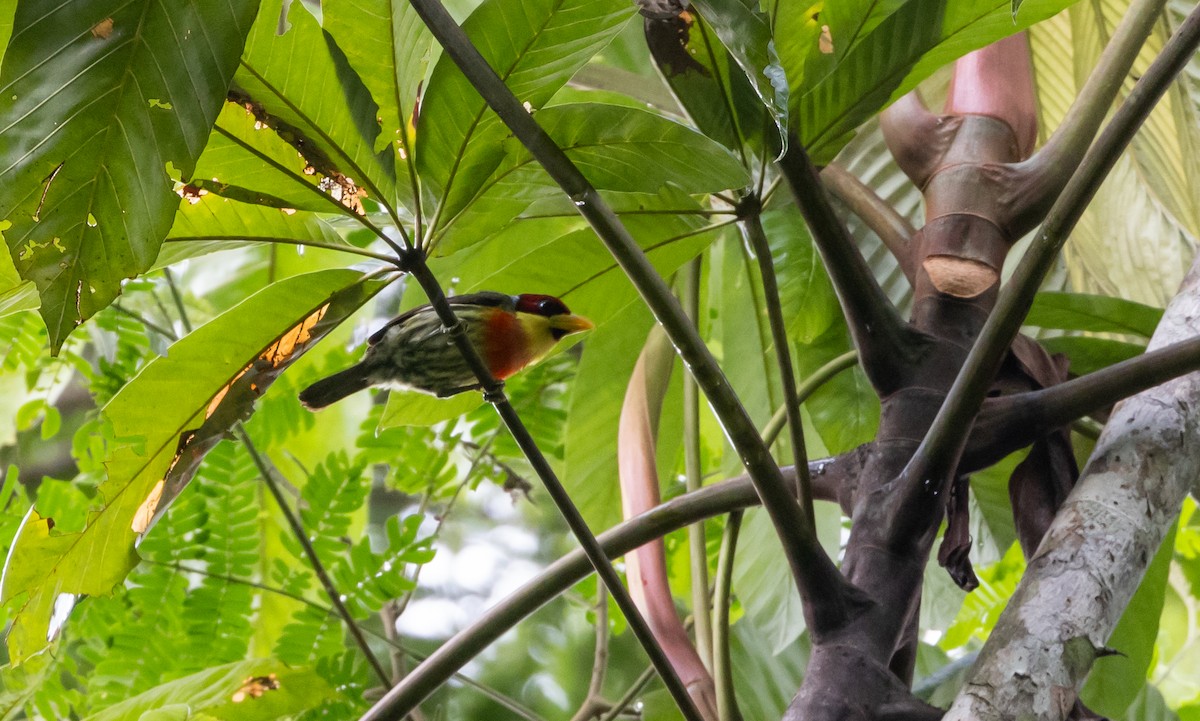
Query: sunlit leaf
{"points": [[212, 378], [534, 51], [100, 98], [337, 128], [410, 408], [258, 690]]}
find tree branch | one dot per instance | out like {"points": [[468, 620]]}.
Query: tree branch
{"points": [[814, 572], [1045, 174], [931, 468], [828, 475], [1021, 418], [892, 228], [885, 342]]}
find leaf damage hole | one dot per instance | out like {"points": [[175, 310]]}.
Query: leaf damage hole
{"points": [[37, 214]]}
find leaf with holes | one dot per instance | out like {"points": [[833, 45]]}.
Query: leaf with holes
{"points": [[100, 98], [212, 378]]}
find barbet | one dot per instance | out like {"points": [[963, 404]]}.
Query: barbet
{"points": [[414, 352]]}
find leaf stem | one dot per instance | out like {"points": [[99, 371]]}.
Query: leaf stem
{"points": [[727, 709], [389, 259]]}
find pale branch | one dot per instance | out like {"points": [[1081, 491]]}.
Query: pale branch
{"points": [[814, 572], [931, 467], [892, 228], [828, 475], [753, 233], [1044, 175], [885, 343], [1021, 418]]}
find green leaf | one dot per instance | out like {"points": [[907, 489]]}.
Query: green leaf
{"points": [[836, 88], [211, 223], [805, 291], [616, 148], [100, 98], [336, 127], [410, 408], [1093, 313], [707, 81], [212, 377], [535, 51], [390, 47], [16, 294], [747, 36], [769, 597], [1091, 354], [844, 411], [248, 161], [1115, 681], [228, 693]]}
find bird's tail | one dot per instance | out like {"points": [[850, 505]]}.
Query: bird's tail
{"points": [[335, 387]]}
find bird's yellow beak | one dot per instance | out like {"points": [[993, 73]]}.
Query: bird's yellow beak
{"points": [[570, 323]]}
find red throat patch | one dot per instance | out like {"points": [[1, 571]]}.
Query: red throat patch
{"points": [[505, 347]]}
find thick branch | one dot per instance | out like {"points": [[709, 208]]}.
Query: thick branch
{"points": [[1097, 547], [884, 341], [814, 572], [1045, 174], [828, 475], [1011, 422], [931, 467]]}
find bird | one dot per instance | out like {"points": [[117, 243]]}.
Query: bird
{"points": [[414, 352]]}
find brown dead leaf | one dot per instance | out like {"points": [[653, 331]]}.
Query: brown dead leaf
{"points": [[103, 29], [255, 687]]}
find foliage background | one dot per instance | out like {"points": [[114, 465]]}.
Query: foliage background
{"points": [[418, 508]]}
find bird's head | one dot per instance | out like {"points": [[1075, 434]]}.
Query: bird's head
{"points": [[550, 313]]}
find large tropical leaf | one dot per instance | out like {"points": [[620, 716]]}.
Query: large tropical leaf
{"points": [[534, 51], [849, 66], [617, 148], [301, 84], [99, 99], [390, 47], [212, 378], [1137, 238]]}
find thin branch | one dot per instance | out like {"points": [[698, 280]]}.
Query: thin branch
{"points": [[931, 468], [392, 705], [1046, 173], [635, 688], [335, 598], [183, 316], [814, 572], [828, 474], [752, 231], [593, 702], [727, 708], [150, 325], [884, 341], [689, 282], [892, 228], [818, 378]]}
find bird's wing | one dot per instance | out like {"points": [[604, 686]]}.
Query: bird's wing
{"points": [[484, 298]]}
